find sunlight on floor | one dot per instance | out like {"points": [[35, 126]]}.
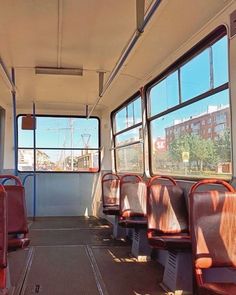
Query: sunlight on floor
{"points": [[123, 259]]}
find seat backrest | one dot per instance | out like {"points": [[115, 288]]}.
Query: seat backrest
{"points": [[133, 196], [3, 227], [166, 207], [110, 190], [213, 226], [17, 214]]}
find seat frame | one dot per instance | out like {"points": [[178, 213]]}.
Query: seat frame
{"points": [[211, 280], [136, 222], [17, 238], [176, 246]]}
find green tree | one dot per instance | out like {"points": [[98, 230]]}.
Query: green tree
{"points": [[223, 147], [202, 152], [160, 160], [178, 146]]}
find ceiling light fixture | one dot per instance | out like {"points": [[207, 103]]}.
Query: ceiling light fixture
{"points": [[58, 71]]}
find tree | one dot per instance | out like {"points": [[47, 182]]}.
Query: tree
{"points": [[202, 152], [178, 146], [223, 147]]}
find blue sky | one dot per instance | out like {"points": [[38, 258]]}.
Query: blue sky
{"points": [[54, 132], [158, 126], [194, 80]]}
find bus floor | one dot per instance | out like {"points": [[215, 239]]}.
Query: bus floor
{"points": [[77, 255]]}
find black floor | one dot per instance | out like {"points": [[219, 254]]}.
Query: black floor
{"points": [[77, 255]]}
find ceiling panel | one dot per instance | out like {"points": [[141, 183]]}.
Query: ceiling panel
{"points": [[170, 29], [91, 34], [28, 32], [95, 32], [83, 89]]}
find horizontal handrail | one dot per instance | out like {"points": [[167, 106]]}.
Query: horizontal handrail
{"points": [[161, 177], [7, 177], [212, 181]]}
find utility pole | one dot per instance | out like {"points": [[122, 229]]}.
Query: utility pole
{"points": [[71, 125]]}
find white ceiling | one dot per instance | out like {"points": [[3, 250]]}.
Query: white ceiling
{"points": [[89, 34]]}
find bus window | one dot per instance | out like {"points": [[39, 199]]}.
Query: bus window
{"points": [[189, 116], [63, 144], [128, 134]]}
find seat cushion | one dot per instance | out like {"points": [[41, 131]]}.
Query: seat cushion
{"points": [[133, 199], [129, 213], [17, 216], [111, 210], [16, 243], [167, 212], [170, 242], [111, 191], [218, 288], [213, 228], [133, 223]]}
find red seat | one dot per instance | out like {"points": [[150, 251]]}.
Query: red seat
{"points": [[17, 216], [218, 288], [3, 237], [133, 201], [111, 194], [172, 241], [213, 232], [167, 215]]}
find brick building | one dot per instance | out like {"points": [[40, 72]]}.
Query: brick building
{"points": [[207, 125]]}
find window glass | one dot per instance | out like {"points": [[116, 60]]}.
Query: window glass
{"points": [[130, 158], [58, 132], [130, 136], [25, 137], [220, 62], [25, 159], [165, 94], [128, 144], [120, 120], [129, 115], [62, 144], [58, 160], [137, 111], [195, 76], [183, 145]]}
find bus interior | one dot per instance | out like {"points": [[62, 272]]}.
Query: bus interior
{"points": [[117, 147]]}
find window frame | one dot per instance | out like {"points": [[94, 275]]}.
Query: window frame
{"points": [[135, 96], [197, 49], [38, 148]]}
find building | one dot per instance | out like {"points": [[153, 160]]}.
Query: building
{"points": [[160, 144], [207, 125]]}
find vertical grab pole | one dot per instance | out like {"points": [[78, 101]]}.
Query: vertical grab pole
{"points": [[15, 131], [34, 173]]}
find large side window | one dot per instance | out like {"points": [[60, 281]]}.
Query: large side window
{"points": [[127, 130], [63, 144], [189, 115]]}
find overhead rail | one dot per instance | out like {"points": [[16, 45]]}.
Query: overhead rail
{"points": [[6, 77], [128, 48]]}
